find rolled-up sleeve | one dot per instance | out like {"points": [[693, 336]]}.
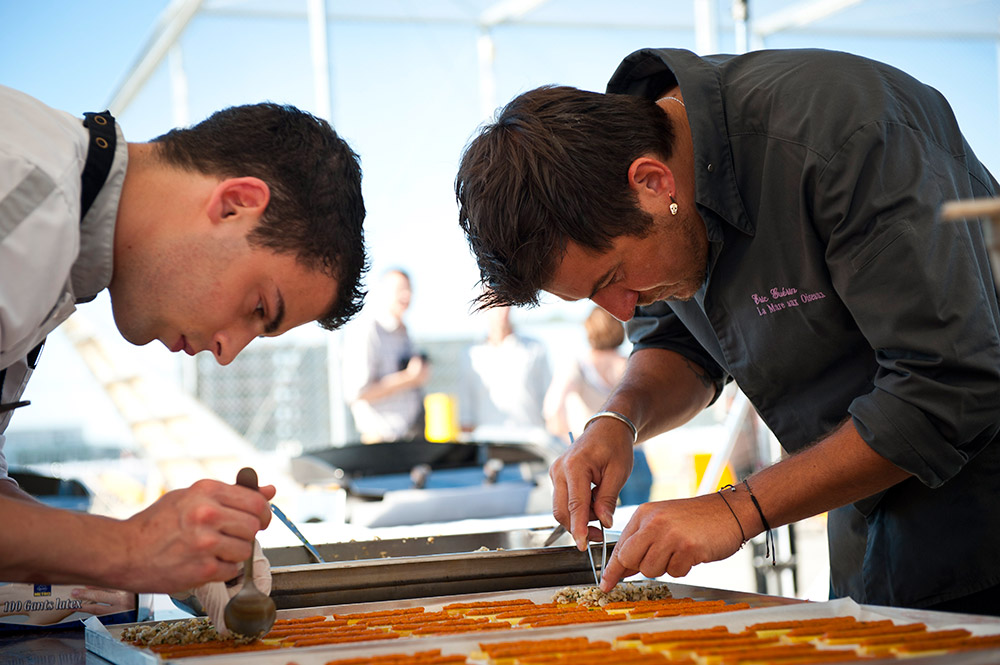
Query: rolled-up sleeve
{"points": [[921, 291], [657, 326]]}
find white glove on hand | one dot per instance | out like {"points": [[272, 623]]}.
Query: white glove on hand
{"points": [[213, 596]]}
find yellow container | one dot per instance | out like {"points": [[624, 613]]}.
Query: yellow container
{"points": [[701, 465], [441, 422]]}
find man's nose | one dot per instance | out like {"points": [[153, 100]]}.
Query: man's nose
{"points": [[229, 343], [617, 301]]}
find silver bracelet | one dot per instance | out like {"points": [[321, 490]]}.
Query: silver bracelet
{"points": [[616, 416]]}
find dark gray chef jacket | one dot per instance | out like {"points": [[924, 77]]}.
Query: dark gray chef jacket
{"points": [[834, 291]]}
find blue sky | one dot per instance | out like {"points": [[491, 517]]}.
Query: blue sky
{"points": [[405, 95]]}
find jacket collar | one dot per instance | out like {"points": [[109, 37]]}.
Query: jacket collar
{"points": [[648, 73], [93, 267]]}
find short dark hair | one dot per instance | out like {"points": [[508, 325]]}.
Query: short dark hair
{"points": [[315, 211], [552, 168]]}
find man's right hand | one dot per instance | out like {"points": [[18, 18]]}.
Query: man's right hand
{"points": [[601, 457], [192, 536]]}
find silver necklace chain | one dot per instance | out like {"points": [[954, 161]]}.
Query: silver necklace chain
{"points": [[673, 98]]}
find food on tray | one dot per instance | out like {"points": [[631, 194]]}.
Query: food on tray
{"points": [[851, 635], [936, 646], [594, 616], [188, 631], [691, 609], [475, 616], [563, 651], [883, 645], [782, 627], [827, 640], [459, 608], [432, 657], [356, 616], [502, 650], [171, 651], [592, 595], [767, 642]]}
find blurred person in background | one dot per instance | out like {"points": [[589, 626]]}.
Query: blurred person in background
{"points": [[384, 376], [580, 388], [503, 383], [247, 224]]}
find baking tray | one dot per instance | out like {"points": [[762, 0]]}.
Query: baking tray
{"points": [[104, 641], [427, 575]]}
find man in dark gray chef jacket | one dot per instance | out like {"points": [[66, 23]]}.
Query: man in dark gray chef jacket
{"points": [[771, 219]]}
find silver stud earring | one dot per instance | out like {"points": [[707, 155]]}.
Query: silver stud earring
{"points": [[673, 206]]}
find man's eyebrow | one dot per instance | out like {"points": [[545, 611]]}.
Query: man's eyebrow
{"points": [[279, 316], [602, 281]]}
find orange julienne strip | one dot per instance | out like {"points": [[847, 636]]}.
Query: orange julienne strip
{"points": [[689, 611], [800, 623], [874, 631], [675, 634], [432, 630], [309, 619], [335, 639], [379, 613], [407, 618], [488, 603], [214, 651], [492, 647], [959, 644], [216, 645], [420, 658], [773, 652], [513, 648], [812, 658], [875, 640], [539, 623], [628, 659]]}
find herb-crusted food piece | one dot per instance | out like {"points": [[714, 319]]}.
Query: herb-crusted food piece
{"points": [[592, 596]]}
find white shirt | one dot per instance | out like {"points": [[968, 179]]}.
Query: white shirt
{"points": [[48, 259], [503, 385], [373, 350]]}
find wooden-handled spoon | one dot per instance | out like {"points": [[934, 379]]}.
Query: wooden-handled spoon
{"points": [[249, 612]]}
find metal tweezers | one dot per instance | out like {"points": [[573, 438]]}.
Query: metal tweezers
{"points": [[604, 558]]}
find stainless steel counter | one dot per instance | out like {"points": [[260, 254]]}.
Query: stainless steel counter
{"points": [[423, 567]]}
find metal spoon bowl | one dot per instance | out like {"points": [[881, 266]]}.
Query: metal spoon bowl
{"points": [[249, 612]]}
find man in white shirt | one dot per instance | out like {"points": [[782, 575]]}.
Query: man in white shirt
{"points": [[245, 225], [384, 376], [504, 380]]}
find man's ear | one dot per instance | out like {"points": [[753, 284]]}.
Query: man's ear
{"points": [[648, 176], [234, 198]]}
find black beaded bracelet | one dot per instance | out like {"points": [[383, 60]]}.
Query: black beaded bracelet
{"points": [[769, 548]]}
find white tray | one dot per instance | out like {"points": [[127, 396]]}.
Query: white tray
{"points": [[105, 642]]}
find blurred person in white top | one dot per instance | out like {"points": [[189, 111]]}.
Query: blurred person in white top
{"points": [[384, 376], [581, 387], [503, 383]]}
